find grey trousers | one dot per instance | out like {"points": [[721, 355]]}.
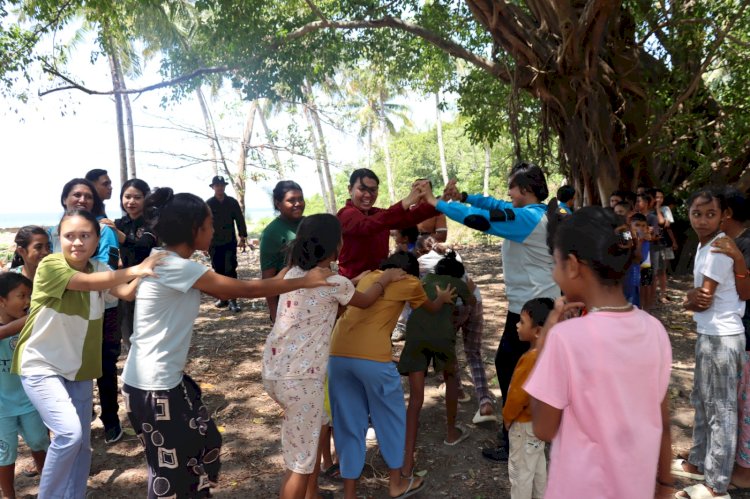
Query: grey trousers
{"points": [[718, 365]]}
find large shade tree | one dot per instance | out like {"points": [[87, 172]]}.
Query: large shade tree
{"points": [[616, 92]]}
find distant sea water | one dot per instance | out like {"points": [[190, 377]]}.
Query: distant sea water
{"points": [[16, 220]]}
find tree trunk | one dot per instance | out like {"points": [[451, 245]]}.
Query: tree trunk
{"points": [[113, 69], [487, 168], [128, 125], [269, 139], [210, 130], [238, 180], [322, 147], [441, 146], [386, 149], [318, 161]]}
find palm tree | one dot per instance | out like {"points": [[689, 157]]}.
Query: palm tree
{"points": [[370, 104]]}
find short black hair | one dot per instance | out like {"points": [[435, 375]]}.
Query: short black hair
{"points": [[410, 233], [93, 175], [538, 309], [638, 217], [565, 193], [737, 202], [404, 260], [362, 173], [10, 281], [529, 177]]}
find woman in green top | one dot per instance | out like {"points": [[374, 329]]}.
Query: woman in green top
{"points": [[289, 201]]}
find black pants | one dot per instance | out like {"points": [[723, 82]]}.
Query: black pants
{"points": [[510, 349], [182, 442], [224, 258], [107, 384]]}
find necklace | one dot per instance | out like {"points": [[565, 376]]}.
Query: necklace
{"points": [[619, 308]]}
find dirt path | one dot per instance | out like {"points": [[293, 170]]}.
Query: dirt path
{"points": [[225, 359]]}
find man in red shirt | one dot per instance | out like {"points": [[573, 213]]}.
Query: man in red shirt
{"points": [[366, 229]]}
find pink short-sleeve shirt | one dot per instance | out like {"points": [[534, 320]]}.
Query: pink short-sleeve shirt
{"points": [[608, 372]]}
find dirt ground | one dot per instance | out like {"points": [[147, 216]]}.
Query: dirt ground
{"points": [[225, 359]]}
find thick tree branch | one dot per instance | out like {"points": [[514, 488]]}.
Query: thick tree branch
{"points": [[445, 44], [73, 85]]}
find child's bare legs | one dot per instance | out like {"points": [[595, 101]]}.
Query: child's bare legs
{"points": [[39, 456], [416, 399], [325, 445], [661, 280], [7, 475], [293, 485], [397, 484], [451, 402], [350, 488]]}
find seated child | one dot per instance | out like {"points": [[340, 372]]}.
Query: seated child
{"points": [[17, 415], [527, 465], [431, 338]]}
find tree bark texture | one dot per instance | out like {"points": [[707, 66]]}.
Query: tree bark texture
{"points": [[318, 161], [210, 130], [238, 179], [441, 145], [122, 154], [315, 116]]}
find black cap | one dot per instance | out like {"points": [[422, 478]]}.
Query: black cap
{"points": [[218, 179]]}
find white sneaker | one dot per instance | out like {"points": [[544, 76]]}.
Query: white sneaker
{"points": [[371, 436]]}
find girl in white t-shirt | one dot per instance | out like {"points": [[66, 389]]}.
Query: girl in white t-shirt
{"points": [[718, 313], [164, 405], [295, 357]]}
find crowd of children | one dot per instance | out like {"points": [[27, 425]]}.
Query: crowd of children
{"points": [[581, 363]]}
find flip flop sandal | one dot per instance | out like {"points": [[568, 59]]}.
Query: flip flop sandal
{"points": [[333, 472], [464, 436], [677, 470], [409, 490], [699, 491], [480, 418]]}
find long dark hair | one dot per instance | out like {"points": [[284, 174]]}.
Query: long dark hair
{"points": [[23, 239], [98, 209], [318, 237], [174, 218], [597, 237]]}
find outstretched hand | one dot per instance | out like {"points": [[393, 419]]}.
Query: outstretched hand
{"points": [[425, 191]]}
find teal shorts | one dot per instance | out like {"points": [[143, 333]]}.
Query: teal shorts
{"points": [[30, 427]]}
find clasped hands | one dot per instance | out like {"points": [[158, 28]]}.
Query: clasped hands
{"points": [[421, 191]]}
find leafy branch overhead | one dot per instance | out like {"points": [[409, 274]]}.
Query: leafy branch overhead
{"points": [[613, 92]]}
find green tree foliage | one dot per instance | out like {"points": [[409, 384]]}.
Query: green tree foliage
{"points": [[614, 93]]}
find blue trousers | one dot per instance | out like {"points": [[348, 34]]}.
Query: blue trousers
{"points": [[359, 388], [65, 408]]}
